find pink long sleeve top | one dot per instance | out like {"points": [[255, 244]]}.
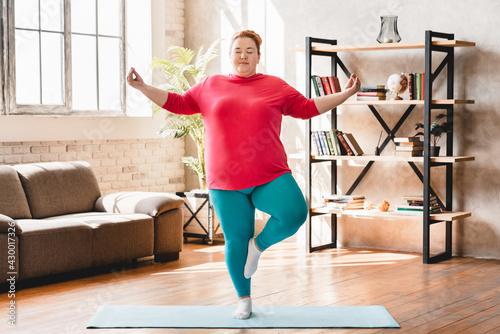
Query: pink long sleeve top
{"points": [[242, 120]]}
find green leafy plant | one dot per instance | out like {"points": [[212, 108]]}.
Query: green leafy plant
{"points": [[184, 69], [436, 129]]}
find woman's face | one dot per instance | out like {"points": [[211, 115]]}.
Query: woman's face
{"points": [[244, 57]]}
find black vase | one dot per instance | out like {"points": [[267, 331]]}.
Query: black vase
{"points": [[435, 151]]}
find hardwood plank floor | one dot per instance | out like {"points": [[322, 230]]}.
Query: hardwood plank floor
{"points": [[461, 295]]}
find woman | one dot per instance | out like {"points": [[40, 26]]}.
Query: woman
{"points": [[246, 162]]}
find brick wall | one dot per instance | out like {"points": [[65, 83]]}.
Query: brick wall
{"points": [[174, 22], [120, 165]]}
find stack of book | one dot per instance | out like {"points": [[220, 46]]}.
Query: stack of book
{"points": [[409, 146], [325, 85], [371, 93], [415, 204], [344, 202], [416, 86], [334, 142]]}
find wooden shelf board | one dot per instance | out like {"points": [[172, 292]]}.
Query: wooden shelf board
{"points": [[366, 157], [390, 46], [442, 216], [406, 102]]}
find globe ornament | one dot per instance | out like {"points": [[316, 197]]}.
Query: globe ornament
{"points": [[397, 84]]}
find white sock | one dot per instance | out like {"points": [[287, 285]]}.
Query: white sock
{"points": [[253, 256], [244, 309]]}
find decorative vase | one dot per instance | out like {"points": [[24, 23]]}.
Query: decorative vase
{"points": [[388, 29], [435, 151]]}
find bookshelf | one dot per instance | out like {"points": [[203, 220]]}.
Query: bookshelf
{"points": [[422, 166]]}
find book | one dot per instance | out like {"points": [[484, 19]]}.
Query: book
{"points": [[370, 98], [410, 143], [344, 202], [405, 148], [315, 145], [406, 139], [342, 141], [422, 87], [371, 94], [419, 86], [415, 203], [342, 197], [372, 88], [323, 143], [336, 143], [330, 142], [334, 84], [318, 85], [353, 144], [417, 197], [315, 85], [326, 85], [410, 86]]}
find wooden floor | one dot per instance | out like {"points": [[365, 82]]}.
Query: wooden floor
{"points": [[461, 295]]}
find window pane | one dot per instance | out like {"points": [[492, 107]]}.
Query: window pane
{"points": [[109, 12], [83, 16], [109, 74], [27, 67], [26, 14], [51, 15], [52, 68], [84, 72]]}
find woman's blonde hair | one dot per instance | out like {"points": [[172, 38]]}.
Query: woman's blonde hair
{"points": [[250, 34]]}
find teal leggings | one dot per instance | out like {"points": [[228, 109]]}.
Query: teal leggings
{"points": [[235, 209]]}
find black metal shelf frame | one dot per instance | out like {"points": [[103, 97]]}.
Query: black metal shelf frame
{"points": [[424, 176]]}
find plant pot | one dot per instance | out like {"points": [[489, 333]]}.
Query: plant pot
{"points": [[435, 151]]}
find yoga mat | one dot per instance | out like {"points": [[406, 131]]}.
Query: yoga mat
{"points": [[137, 316]]}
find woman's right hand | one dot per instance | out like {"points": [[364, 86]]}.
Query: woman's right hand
{"points": [[158, 96], [134, 79]]}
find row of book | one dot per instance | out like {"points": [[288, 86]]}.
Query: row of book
{"points": [[416, 86], [334, 142], [371, 93], [325, 85], [344, 202], [409, 146], [415, 204]]}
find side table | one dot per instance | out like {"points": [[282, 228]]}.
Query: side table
{"points": [[199, 217]]}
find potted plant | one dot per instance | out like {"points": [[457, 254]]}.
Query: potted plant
{"points": [[436, 130], [184, 70]]}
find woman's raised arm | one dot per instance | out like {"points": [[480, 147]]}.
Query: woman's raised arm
{"points": [[158, 96], [328, 102]]}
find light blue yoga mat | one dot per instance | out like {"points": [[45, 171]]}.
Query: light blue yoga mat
{"points": [[137, 316]]}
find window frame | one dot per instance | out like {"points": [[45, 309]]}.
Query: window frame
{"points": [[66, 108]]}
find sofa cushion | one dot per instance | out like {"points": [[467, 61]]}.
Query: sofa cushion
{"points": [[149, 203], [13, 201], [57, 188], [116, 237], [51, 247]]}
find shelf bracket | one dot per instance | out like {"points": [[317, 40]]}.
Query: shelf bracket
{"points": [[390, 135]]}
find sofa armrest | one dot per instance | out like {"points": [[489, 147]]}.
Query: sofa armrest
{"points": [[7, 223], [150, 203]]}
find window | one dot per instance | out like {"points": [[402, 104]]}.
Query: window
{"points": [[97, 60], [66, 56], [39, 52]]}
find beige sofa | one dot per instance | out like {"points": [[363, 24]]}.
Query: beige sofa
{"points": [[53, 219]]}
